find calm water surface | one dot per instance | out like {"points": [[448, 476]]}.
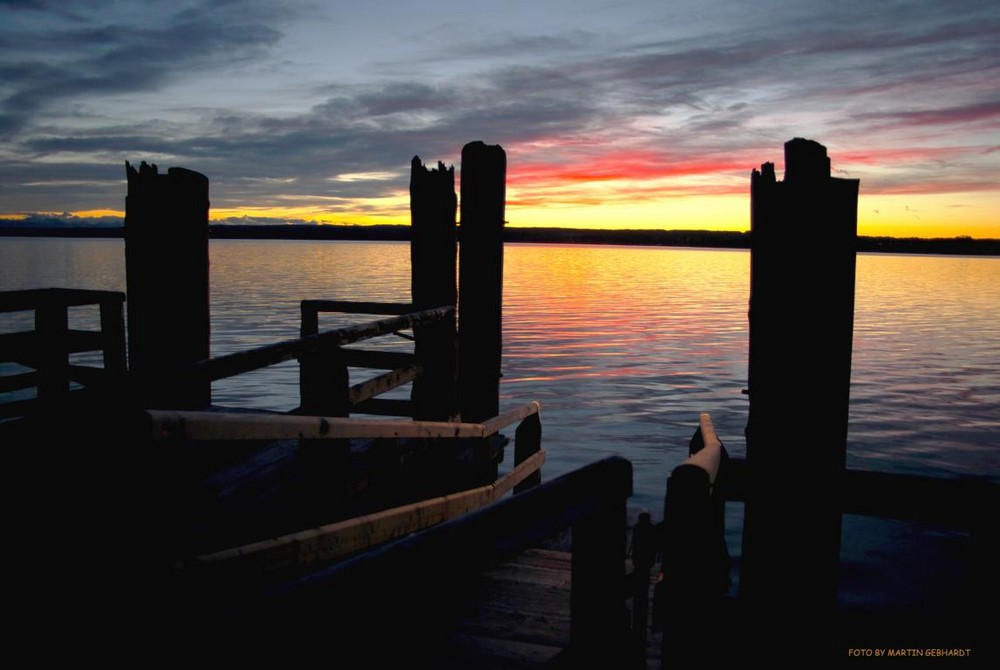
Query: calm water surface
{"points": [[625, 346]]}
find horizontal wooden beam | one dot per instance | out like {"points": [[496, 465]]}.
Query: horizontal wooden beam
{"points": [[286, 350], [522, 471], [504, 419], [382, 383], [333, 541], [958, 503], [23, 346], [248, 426], [17, 301]]}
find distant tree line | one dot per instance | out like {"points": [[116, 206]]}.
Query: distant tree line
{"points": [[963, 245]]}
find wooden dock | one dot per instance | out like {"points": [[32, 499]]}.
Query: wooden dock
{"points": [[519, 616]]}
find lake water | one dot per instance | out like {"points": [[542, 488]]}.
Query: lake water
{"points": [[625, 346]]}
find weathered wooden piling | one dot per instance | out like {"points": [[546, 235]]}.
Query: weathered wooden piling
{"points": [[484, 173], [803, 234], [433, 256], [166, 265]]}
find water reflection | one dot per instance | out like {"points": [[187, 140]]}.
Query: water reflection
{"points": [[624, 346]]}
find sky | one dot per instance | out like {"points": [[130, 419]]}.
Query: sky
{"points": [[612, 114]]}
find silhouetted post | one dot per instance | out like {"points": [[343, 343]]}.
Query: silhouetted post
{"points": [[644, 543], [433, 255], [324, 381], [484, 174], [113, 336], [166, 264], [527, 443], [598, 623], [52, 326], [803, 234]]}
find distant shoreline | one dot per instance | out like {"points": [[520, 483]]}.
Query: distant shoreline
{"points": [[965, 246]]}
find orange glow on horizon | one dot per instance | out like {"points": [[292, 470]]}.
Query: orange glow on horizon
{"points": [[603, 199]]}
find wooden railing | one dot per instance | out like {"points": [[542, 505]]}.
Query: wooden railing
{"points": [[325, 387], [328, 433], [47, 348], [169, 424], [333, 541], [396, 601]]}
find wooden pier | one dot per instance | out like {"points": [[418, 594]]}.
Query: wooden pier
{"points": [[358, 526]]}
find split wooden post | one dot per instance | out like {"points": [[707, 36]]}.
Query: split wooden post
{"points": [[801, 329], [484, 172], [166, 266], [433, 255]]}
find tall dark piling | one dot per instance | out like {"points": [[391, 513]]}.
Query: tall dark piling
{"points": [[433, 257], [803, 238], [483, 188], [166, 261]]}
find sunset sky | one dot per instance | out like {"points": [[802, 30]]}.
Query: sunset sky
{"points": [[613, 114]]}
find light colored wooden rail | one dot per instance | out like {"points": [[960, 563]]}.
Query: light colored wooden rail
{"points": [[243, 426], [332, 541]]}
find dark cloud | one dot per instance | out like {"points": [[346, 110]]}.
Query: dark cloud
{"points": [[852, 72], [97, 53]]}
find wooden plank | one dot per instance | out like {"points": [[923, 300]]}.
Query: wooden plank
{"points": [[29, 299], [384, 382], [239, 426], [952, 502], [510, 416], [24, 345], [197, 425], [286, 350], [525, 469]]}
